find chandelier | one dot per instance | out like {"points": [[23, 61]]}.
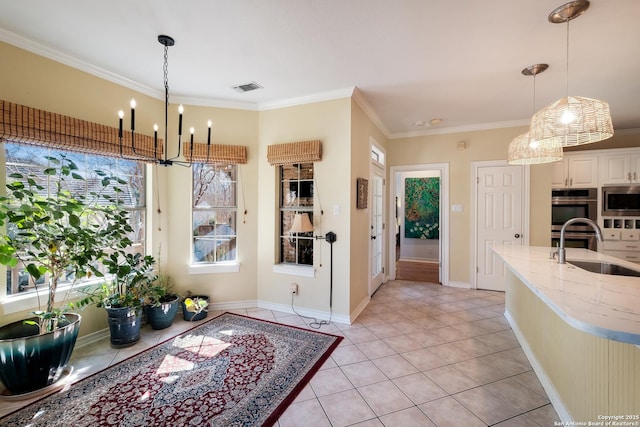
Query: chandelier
{"points": [[156, 154], [525, 150], [576, 119]]}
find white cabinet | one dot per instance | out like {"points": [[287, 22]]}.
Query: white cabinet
{"points": [[622, 238], [620, 168], [575, 171]]}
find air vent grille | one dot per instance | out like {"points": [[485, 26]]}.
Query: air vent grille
{"points": [[247, 87]]}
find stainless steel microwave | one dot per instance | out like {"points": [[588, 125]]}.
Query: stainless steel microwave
{"points": [[621, 200]]}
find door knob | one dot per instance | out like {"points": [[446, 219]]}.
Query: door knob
{"points": [[373, 237], [517, 236]]}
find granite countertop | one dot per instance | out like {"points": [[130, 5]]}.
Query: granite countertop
{"points": [[604, 305]]}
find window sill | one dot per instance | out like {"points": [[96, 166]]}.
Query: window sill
{"points": [[295, 270], [230, 267], [29, 301]]}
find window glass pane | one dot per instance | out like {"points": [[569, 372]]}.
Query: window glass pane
{"points": [[31, 160], [214, 213], [296, 196]]}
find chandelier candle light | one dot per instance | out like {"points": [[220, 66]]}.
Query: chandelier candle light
{"points": [[166, 41], [576, 119]]}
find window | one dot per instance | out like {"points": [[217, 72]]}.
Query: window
{"points": [[296, 196], [31, 160], [214, 213]]}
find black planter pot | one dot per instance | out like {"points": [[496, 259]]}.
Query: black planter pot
{"points": [[124, 325], [190, 316], [162, 316], [29, 361]]}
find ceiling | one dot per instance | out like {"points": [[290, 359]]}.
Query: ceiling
{"points": [[411, 60]]}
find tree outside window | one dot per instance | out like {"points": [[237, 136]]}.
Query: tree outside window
{"points": [[214, 213]]}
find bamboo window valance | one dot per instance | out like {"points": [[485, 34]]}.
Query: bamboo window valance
{"points": [[218, 153], [294, 152], [27, 125]]}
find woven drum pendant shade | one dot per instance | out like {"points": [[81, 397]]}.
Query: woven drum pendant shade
{"points": [[524, 150], [576, 120]]}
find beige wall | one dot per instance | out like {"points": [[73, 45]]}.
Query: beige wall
{"points": [[329, 122], [362, 131]]}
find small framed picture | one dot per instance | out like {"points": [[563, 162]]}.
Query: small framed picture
{"points": [[362, 193]]}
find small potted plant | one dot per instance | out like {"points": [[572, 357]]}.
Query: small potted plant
{"points": [[195, 307], [160, 302], [123, 296], [55, 234]]}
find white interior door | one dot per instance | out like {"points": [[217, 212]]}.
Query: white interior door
{"points": [[377, 229], [499, 209]]}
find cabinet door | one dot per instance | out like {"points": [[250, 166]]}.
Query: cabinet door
{"points": [[583, 171], [615, 169], [558, 175], [634, 169]]}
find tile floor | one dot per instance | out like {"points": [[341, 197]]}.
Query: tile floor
{"points": [[419, 355]]}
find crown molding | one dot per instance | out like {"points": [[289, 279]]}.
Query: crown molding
{"points": [[307, 99], [370, 112]]}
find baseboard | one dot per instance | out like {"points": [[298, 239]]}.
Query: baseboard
{"points": [[464, 285], [422, 260], [320, 315], [551, 391], [359, 309]]}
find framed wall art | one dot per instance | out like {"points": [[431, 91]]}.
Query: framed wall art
{"points": [[362, 192]]}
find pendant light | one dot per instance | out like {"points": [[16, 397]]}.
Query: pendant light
{"points": [[577, 120], [525, 150]]}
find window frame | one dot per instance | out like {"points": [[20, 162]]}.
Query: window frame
{"points": [[215, 266]]}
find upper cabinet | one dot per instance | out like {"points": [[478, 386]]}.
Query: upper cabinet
{"points": [[576, 171], [623, 167]]}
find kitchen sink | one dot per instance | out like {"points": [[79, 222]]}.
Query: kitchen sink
{"points": [[602, 267]]}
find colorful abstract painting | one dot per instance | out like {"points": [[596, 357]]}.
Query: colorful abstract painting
{"points": [[422, 208]]}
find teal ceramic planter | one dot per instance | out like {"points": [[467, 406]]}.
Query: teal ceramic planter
{"points": [[161, 317], [124, 325], [29, 361]]}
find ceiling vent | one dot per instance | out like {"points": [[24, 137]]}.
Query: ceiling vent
{"points": [[247, 87]]}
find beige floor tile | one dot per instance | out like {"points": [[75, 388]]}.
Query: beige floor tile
{"points": [[363, 373], [506, 364], [395, 366], [360, 335], [384, 330], [448, 412], [346, 408], [427, 338], [344, 355], [375, 349], [519, 421], [450, 353], [423, 359], [451, 380], [530, 381], [512, 392], [480, 371], [402, 344], [486, 406], [544, 416], [385, 397], [474, 346], [330, 381], [304, 414], [419, 388], [410, 417]]}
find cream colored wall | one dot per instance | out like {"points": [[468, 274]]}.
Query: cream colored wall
{"points": [[362, 130], [329, 122], [480, 146], [234, 127]]}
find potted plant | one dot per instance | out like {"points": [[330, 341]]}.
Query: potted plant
{"points": [[55, 235], [123, 296], [195, 307], [160, 302]]}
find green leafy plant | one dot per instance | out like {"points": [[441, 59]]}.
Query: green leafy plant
{"points": [[132, 276], [56, 234], [158, 290]]}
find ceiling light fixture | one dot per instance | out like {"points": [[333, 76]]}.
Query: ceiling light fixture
{"points": [[525, 150], [577, 120], [165, 160]]}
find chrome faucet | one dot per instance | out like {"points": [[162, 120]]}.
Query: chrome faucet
{"points": [[561, 251]]}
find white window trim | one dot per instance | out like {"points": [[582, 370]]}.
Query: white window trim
{"points": [[295, 270], [28, 301], [213, 268]]}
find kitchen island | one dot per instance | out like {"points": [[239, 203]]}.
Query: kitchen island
{"points": [[580, 331]]}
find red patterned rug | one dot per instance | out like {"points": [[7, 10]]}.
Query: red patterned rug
{"points": [[229, 371]]}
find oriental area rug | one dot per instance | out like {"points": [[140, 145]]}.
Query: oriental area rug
{"points": [[229, 371]]}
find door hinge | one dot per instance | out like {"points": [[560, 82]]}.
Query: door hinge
{"points": [[383, 226], [477, 269], [477, 180], [382, 270]]}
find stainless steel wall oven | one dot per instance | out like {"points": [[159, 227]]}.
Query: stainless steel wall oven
{"points": [[567, 203]]}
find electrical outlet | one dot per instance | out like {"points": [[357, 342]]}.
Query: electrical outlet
{"points": [[293, 288]]}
